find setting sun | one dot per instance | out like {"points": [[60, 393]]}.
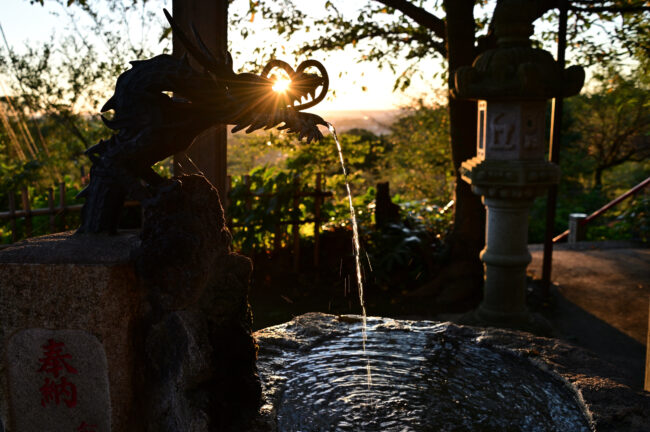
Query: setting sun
{"points": [[281, 84]]}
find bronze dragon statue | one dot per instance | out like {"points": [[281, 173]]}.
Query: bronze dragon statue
{"points": [[150, 125]]}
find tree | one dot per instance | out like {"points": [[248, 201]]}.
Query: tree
{"points": [[613, 123], [55, 89], [389, 32]]}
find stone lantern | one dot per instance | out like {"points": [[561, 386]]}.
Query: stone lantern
{"points": [[511, 84]]}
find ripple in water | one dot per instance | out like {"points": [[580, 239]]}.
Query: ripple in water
{"points": [[423, 380]]}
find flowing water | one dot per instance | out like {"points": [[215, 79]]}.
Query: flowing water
{"points": [[357, 252]]}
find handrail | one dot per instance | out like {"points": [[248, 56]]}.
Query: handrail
{"points": [[606, 207]]}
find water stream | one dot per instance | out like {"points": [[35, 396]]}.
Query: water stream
{"points": [[357, 253]]}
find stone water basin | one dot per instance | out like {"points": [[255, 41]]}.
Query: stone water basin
{"points": [[426, 376]]}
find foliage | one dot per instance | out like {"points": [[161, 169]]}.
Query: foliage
{"points": [[403, 254], [392, 33], [378, 31], [605, 150], [399, 34], [603, 32], [52, 86], [629, 222], [369, 159], [420, 161], [598, 129], [613, 123], [44, 128], [364, 152], [261, 207], [273, 186]]}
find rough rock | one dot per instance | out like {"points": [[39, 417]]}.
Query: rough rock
{"points": [[434, 376], [199, 356]]}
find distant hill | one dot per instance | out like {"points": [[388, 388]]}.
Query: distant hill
{"points": [[377, 121]]}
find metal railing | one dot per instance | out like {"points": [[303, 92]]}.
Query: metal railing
{"points": [[579, 223]]}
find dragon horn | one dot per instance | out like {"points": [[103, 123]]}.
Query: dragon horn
{"points": [[325, 83], [109, 105], [207, 62], [277, 63], [204, 49]]}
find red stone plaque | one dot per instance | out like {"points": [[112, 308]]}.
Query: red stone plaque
{"points": [[58, 382]]}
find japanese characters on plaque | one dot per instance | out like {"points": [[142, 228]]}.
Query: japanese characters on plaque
{"points": [[511, 130], [58, 382], [54, 361]]}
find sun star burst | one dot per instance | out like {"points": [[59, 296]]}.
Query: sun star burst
{"points": [[281, 84]]}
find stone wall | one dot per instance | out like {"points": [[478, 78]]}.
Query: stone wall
{"points": [[64, 281]]}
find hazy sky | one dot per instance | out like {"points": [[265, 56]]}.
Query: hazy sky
{"points": [[24, 22]]}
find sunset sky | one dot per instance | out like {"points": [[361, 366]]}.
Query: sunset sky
{"points": [[23, 22], [353, 86]]}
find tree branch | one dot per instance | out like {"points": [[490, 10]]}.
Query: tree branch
{"points": [[621, 10], [393, 35], [419, 15]]}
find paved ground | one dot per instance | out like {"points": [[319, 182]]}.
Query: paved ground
{"points": [[602, 297]]}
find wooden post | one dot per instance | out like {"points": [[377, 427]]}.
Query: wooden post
{"points": [[248, 201], [208, 153], [647, 356], [554, 154], [226, 201], [249, 198], [277, 238], [577, 227], [50, 203], [317, 204], [12, 215], [295, 226], [62, 204], [28, 212]]}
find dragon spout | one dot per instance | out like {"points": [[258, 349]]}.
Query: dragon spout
{"points": [[162, 104]]}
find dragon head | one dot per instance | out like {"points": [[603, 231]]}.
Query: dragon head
{"points": [[251, 101]]}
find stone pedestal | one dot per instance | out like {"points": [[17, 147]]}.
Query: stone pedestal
{"points": [[506, 257], [169, 306], [508, 188], [73, 282]]}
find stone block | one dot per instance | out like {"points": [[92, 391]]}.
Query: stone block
{"points": [[67, 281], [58, 381]]}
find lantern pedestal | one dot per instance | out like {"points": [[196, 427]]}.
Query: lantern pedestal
{"points": [[508, 189]]}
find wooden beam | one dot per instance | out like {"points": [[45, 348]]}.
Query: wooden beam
{"points": [[208, 153]]}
